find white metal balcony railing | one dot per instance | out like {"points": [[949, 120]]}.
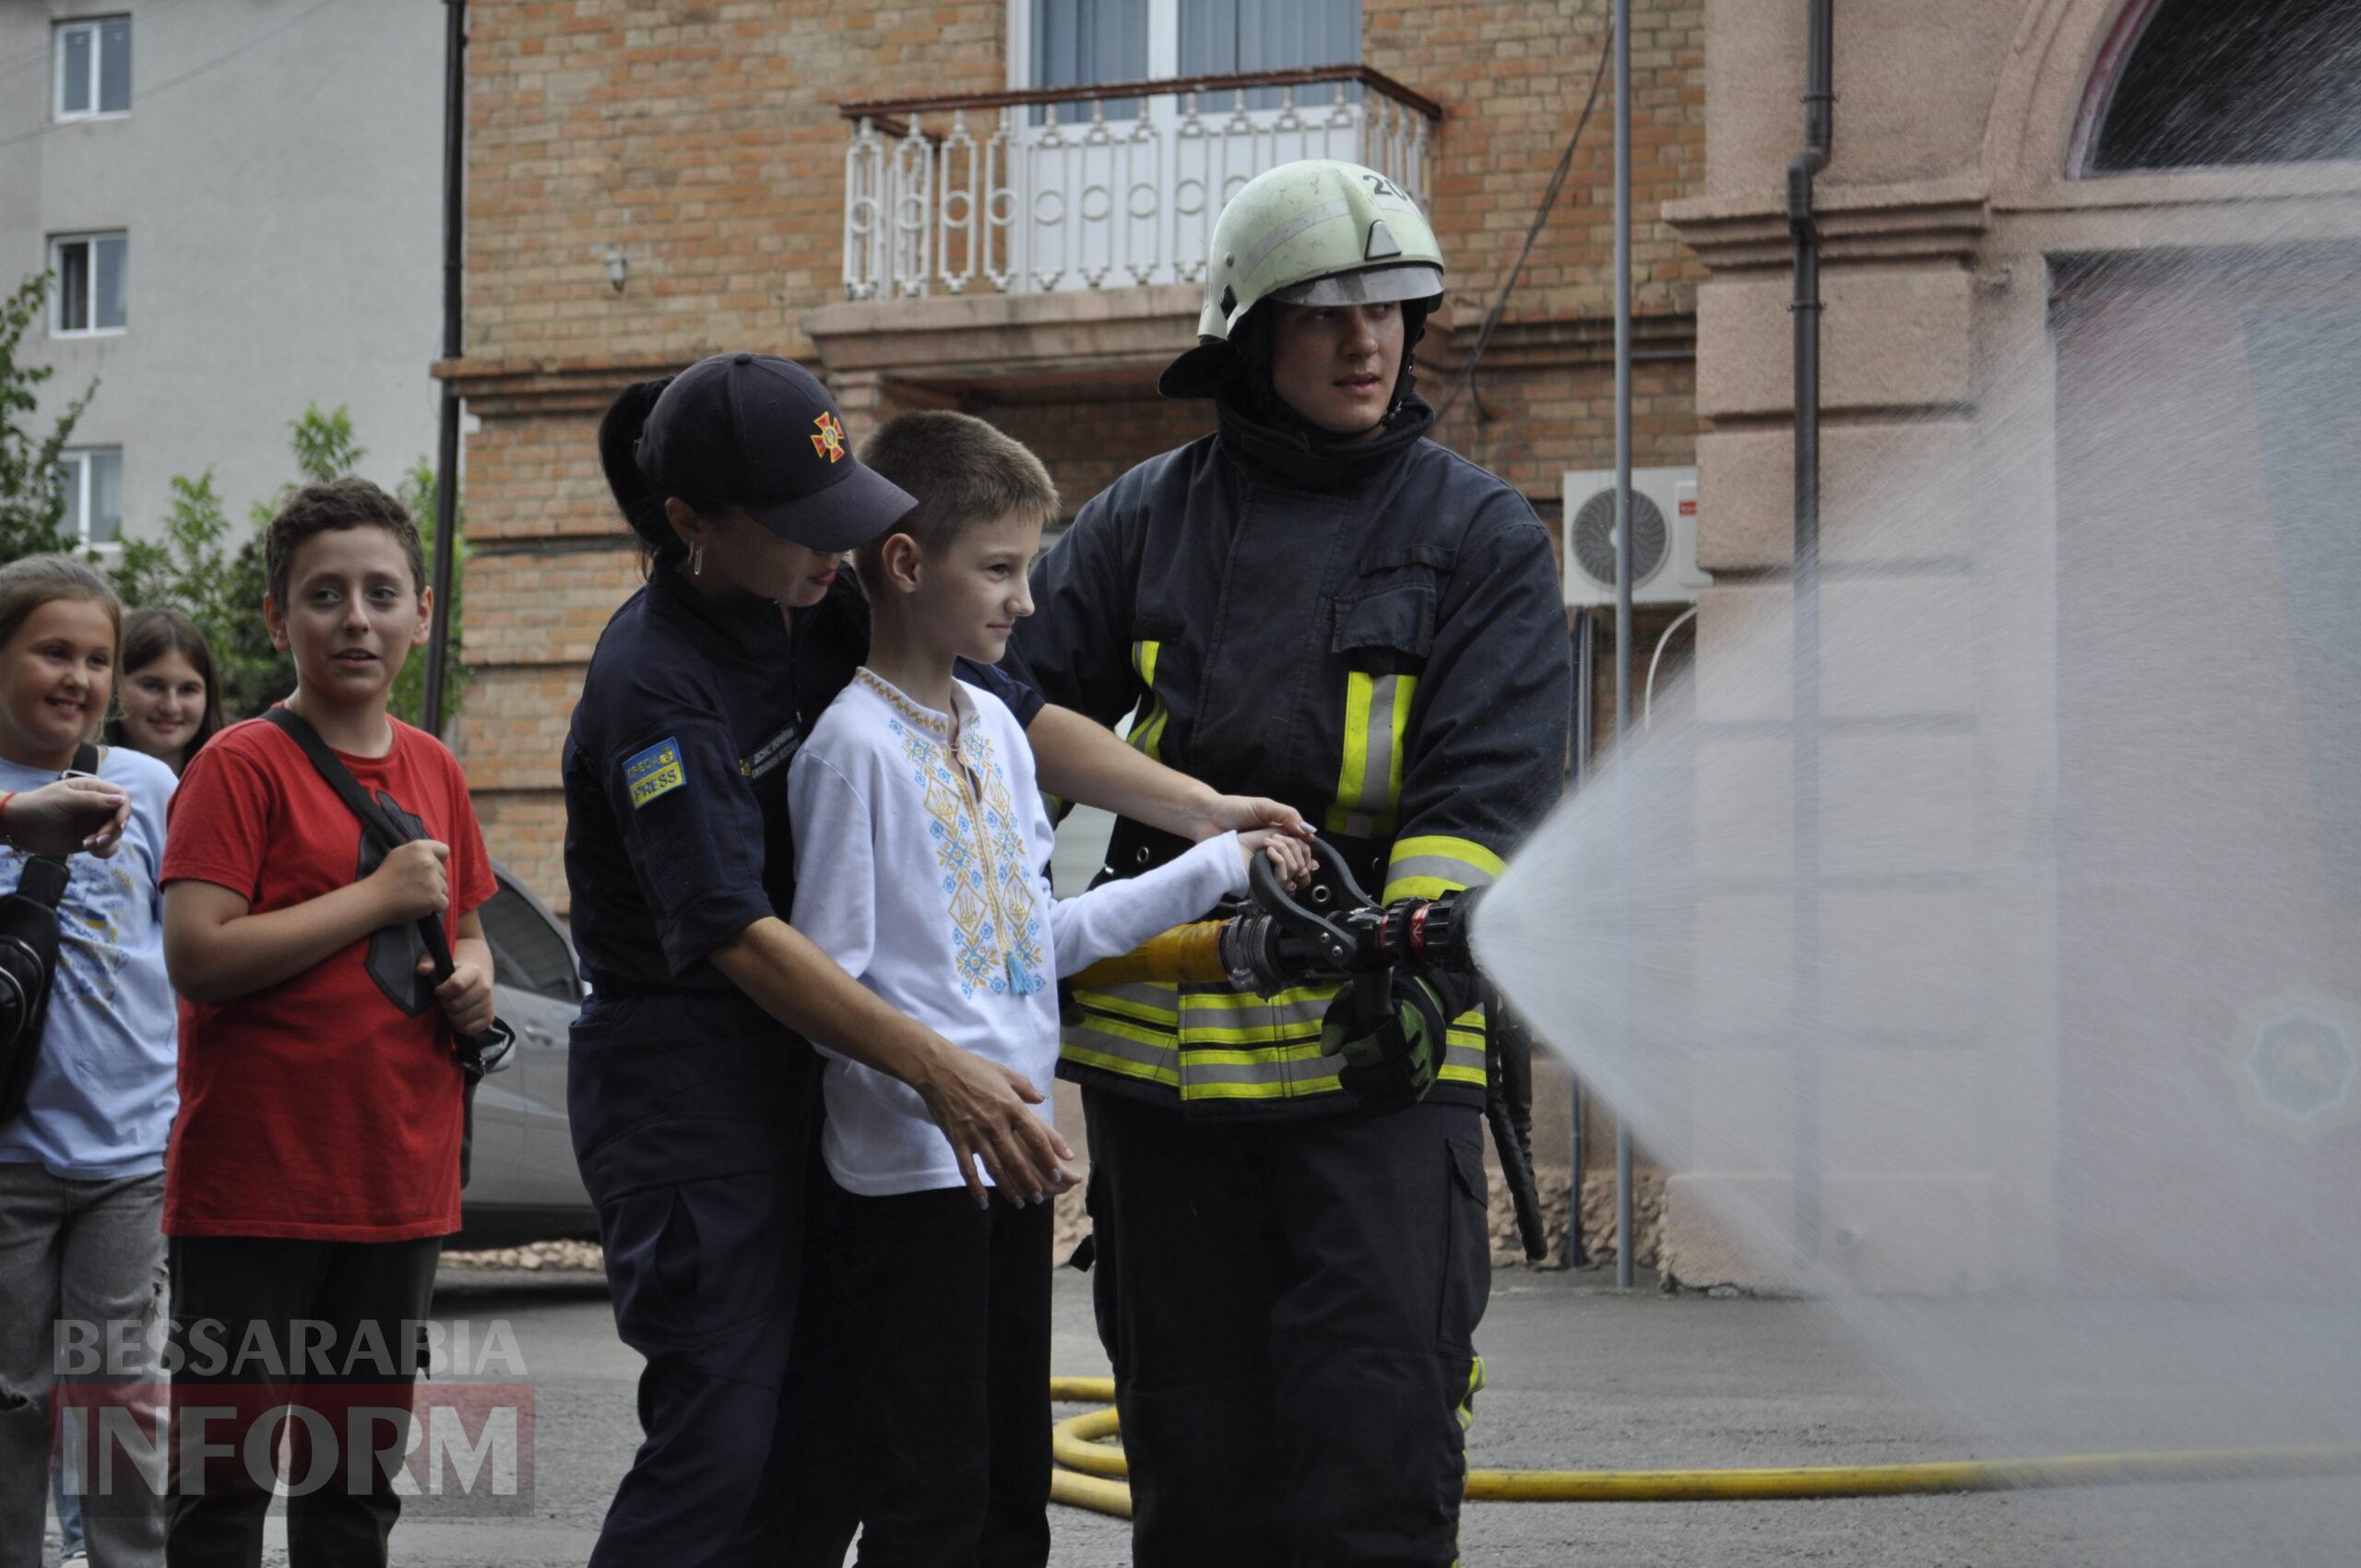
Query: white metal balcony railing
{"points": [[967, 194]]}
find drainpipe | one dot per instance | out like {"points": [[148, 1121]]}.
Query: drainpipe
{"points": [[446, 439], [1819, 132], [1585, 673], [1625, 1243]]}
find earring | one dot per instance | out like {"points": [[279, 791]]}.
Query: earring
{"points": [[696, 559]]}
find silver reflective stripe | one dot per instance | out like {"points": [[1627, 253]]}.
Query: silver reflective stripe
{"points": [[1449, 868], [1289, 230], [1465, 1056], [1088, 1044], [1374, 806], [1200, 1012], [1202, 1072], [1148, 995]]}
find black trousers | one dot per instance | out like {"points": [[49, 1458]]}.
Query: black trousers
{"points": [[233, 1293], [1291, 1307], [693, 1121], [935, 1314]]}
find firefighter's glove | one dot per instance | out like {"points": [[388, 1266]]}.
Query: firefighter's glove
{"points": [[1389, 1028]]}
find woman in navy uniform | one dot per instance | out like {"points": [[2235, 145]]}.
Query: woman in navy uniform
{"points": [[691, 1094]]}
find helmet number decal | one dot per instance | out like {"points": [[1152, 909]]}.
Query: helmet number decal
{"points": [[1378, 186]]}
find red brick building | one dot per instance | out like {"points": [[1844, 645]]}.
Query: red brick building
{"points": [[647, 183]]}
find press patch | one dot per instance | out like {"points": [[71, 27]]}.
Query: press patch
{"points": [[654, 771]]}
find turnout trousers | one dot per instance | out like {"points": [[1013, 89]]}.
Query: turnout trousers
{"points": [[1291, 1307], [693, 1121]]}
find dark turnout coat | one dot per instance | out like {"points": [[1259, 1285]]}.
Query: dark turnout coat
{"points": [[1372, 632]]}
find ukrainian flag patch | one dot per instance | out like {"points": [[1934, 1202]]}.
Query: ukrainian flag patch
{"points": [[653, 772]]}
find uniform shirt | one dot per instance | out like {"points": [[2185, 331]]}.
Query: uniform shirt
{"points": [[101, 1099], [919, 869], [327, 1108], [677, 833]]}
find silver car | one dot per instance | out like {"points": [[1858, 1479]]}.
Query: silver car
{"points": [[524, 1185]]}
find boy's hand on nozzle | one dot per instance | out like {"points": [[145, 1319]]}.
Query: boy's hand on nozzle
{"points": [[1246, 814], [69, 816], [410, 884], [465, 998], [1289, 855]]}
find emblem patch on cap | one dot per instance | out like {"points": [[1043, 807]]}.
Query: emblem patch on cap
{"points": [[830, 442], [653, 772]]}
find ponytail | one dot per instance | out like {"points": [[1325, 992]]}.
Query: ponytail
{"points": [[636, 495]]}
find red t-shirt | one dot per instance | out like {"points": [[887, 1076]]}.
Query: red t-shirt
{"points": [[327, 1107]]}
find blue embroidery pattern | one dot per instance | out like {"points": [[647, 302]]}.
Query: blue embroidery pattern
{"points": [[1027, 970], [995, 925]]}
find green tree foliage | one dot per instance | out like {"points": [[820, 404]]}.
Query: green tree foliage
{"points": [[416, 492], [197, 563], [192, 565], [32, 501]]}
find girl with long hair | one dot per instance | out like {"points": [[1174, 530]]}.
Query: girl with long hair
{"points": [[169, 699]]}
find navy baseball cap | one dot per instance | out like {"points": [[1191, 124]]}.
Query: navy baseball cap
{"points": [[761, 433]]}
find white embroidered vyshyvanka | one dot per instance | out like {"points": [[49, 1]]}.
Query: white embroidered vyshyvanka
{"points": [[919, 852]]}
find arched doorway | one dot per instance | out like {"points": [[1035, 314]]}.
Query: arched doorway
{"points": [[2208, 560]]}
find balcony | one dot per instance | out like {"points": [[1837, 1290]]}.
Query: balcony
{"points": [[1057, 238], [1018, 193]]}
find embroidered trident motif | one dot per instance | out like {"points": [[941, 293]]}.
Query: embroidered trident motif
{"points": [[830, 442]]}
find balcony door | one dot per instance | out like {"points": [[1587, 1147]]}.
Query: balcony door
{"points": [[1124, 191], [1074, 43]]}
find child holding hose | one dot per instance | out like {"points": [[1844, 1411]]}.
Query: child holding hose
{"points": [[920, 840]]}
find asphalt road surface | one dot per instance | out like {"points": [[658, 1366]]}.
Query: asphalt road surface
{"points": [[1581, 1377]]}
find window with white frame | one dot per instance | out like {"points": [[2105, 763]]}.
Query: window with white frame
{"points": [[93, 479], [1073, 42], [90, 284], [94, 72]]}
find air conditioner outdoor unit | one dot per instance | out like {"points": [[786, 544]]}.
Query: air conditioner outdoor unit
{"points": [[1664, 529]]}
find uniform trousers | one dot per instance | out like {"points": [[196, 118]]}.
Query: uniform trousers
{"points": [[693, 1121], [1291, 1307]]}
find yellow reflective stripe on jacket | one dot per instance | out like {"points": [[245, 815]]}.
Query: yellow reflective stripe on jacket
{"points": [[1126, 1029], [1369, 784], [1148, 729], [1464, 1057], [1428, 866], [1433, 864]]}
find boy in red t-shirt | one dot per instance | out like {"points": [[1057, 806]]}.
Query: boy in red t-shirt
{"points": [[313, 1170]]}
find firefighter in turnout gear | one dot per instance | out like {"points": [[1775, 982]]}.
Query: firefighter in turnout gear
{"points": [[1315, 604]]}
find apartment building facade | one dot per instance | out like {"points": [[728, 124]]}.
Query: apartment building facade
{"points": [[240, 200]]}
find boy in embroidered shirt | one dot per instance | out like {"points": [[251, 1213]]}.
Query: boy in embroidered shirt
{"points": [[920, 848]]}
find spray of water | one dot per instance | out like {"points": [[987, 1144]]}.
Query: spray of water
{"points": [[2037, 1053]]}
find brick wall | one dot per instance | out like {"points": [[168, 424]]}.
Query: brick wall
{"points": [[700, 140], [1512, 78], [703, 141]]}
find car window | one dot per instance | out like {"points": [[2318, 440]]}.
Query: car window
{"points": [[527, 949]]}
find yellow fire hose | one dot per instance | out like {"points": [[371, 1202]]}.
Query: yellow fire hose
{"points": [[1089, 1470], [1190, 952]]}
